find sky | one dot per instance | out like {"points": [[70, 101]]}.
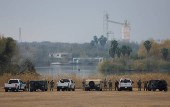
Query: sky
{"points": [[77, 21]]}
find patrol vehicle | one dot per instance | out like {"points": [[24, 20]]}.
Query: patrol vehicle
{"points": [[93, 84], [38, 84], [125, 84], [157, 84], [15, 84], [66, 84]]}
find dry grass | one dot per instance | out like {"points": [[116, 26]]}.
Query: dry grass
{"points": [[78, 79], [80, 98]]}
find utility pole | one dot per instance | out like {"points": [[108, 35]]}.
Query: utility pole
{"points": [[20, 40]]}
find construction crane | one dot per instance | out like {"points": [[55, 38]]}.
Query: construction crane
{"points": [[125, 27]]}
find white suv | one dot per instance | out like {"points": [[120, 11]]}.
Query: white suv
{"points": [[125, 84]]}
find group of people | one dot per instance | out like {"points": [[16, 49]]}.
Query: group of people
{"points": [[105, 84], [51, 85], [139, 83]]}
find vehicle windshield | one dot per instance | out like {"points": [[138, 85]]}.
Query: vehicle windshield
{"points": [[125, 81], [64, 80], [154, 81], [13, 81]]}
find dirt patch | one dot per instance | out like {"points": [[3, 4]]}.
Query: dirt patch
{"points": [[80, 98]]}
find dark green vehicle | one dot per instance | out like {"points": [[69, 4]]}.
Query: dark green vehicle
{"points": [[38, 84], [157, 84]]}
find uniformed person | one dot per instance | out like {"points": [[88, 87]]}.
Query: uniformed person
{"points": [[139, 85], [105, 84], [51, 85], [27, 85], [145, 85], [110, 85], [116, 85], [83, 84]]}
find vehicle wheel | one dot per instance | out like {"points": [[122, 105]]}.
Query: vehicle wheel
{"points": [[45, 89], [119, 89], [165, 89], [34, 89], [153, 89], [31, 90], [6, 90], [149, 89], [98, 89], [86, 89], [69, 89], [63, 89], [17, 89], [130, 89], [13, 90], [160, 89], [58, 89], [91, 84], [73, 89], [24, 89]]}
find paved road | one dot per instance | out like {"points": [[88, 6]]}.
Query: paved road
{"points": [[81, 98]]}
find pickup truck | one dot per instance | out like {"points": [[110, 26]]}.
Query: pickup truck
{"points": [[66, 84], [14, 84], [125, 84]]}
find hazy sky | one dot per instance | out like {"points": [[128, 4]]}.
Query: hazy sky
{"points": [[79, 20]]}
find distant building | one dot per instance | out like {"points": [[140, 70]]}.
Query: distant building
{"points": [[60, 55]]}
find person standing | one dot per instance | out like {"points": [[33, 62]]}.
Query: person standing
{"points": [[145, 85], [27, 85], [116, 85], [139, 85], [51, 85], [105, 84], [110, 85], [83, 84]]}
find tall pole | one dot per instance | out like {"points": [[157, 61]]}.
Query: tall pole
{"points": [[104, 24], [107, 17], [20, 40]]}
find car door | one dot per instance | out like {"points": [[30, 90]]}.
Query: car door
{"points": [[22, 85], [72, 84]]}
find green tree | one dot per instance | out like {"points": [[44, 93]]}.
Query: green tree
{"points": [[102, 40], [124, 49], [113, 47], [111, 53], [92, 43], [148, 46], [9, 52], [118, 52], [165, 53], [114, 44], [95, 40], [128, 50]]}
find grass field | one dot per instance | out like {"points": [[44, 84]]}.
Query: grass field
{"points": [[80, 98]]}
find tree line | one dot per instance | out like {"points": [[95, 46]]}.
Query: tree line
{"points": [[10, 58]]}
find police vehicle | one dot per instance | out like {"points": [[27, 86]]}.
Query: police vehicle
{"points": [[125, 84], [66, 84], [15, 84]]}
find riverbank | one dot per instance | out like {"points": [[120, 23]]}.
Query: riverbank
{"points": [[125, 64]]}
